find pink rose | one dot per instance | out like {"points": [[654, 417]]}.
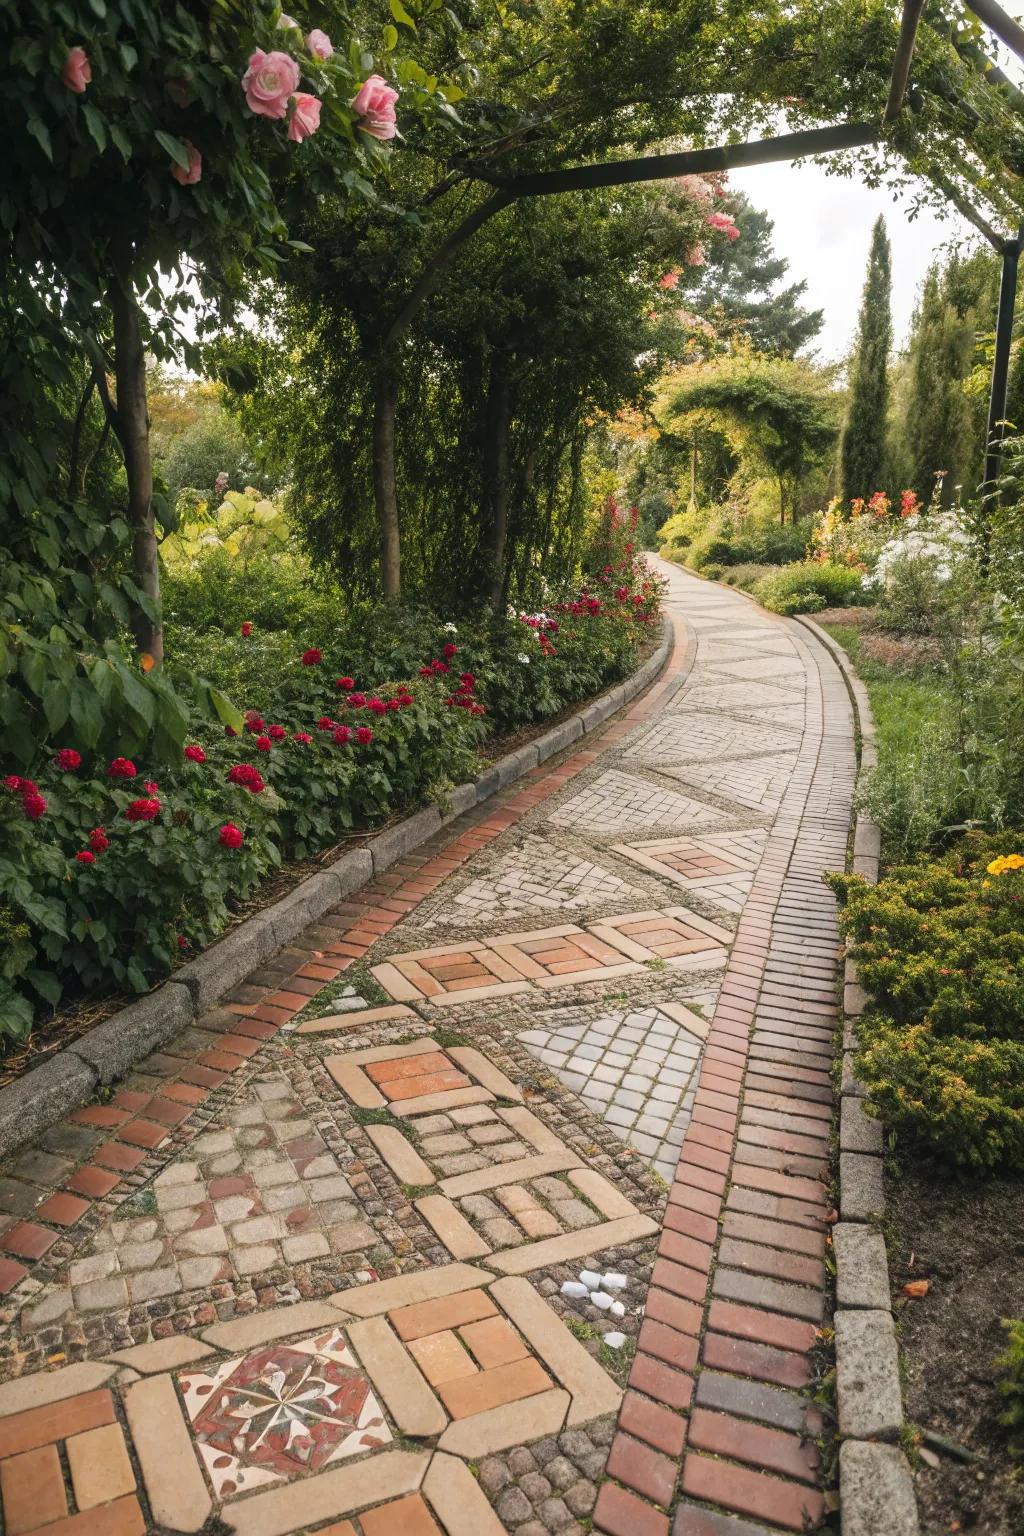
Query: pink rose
{"points": [[77, 70], [374, 103], [695, 255], [268, 82], [195, 166], [305, 118], [319, 44]]}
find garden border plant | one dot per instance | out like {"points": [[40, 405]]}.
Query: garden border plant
{"points": [[104, 1054]]}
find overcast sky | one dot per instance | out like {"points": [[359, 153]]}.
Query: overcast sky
{"points": [[823, 228]]}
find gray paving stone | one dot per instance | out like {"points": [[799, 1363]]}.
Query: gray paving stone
{"points": [[862, 1268], [876, 1490], [861, 1187], [867, 1376]]}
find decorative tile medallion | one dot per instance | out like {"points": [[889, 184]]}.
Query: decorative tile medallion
{"points": [[282, 1412]]}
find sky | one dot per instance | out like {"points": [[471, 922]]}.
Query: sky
{"points": [[823, 228]]}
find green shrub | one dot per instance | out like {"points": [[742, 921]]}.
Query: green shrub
{"points": [[836, 585], [1010, 1387], [939, 945], [745, 577], [770, 543], [713, 572]]}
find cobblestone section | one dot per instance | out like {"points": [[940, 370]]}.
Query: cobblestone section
{"points": [[306, 1266]]}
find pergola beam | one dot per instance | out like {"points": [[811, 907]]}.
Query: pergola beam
{"points": [[690, 162], [904, 55], [995, 18]]}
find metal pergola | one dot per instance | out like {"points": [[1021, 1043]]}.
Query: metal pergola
{"points": [[784, 147]]}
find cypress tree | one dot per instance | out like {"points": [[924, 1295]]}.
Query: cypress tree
{"points": [[938, 418], [862, 449]]}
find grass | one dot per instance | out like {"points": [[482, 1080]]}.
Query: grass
{"points": [[903, 705]]}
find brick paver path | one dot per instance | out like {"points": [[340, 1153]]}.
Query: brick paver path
{"points": [[303, 1270]]}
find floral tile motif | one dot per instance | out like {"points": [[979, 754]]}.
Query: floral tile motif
{"points": [[281, 1412]]}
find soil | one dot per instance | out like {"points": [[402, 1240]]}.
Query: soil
{"points": [[967, 1240], [51, 1035]]}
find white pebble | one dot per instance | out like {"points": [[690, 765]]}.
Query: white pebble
{"points": [[617, 1309], [574, 1289], [600, 1300], [590, 1278], [613, 1282], [615, 1340]]}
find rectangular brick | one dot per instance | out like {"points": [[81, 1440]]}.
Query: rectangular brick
{"points": [[490, 1389], [776, 1234], [642, 1468], [763, 1362], [678, 1313], [756, 1259], [661, 1382], [54, 1421], [621, 1513], [32, 1487], [652, 1422], [668, 1344], [753, 1493], [771, 1449], [100, 1468], [424, 1317], [762, 1327], [680, 1279]]}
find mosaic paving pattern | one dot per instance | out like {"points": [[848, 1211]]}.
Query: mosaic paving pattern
{"points": [[694, 736], [617, 801], [757, 783], [719, 867], [535, 877], [637, 1069]]}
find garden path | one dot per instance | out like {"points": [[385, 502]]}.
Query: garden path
{"points": [[303, 1270]]}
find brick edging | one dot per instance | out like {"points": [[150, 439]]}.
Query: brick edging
{"points": [[876, 1484], [68, 1079]]}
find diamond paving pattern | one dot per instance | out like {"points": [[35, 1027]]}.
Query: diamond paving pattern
{"points": [[694, 736], [758, 783], [720, 868], [534, 877]]}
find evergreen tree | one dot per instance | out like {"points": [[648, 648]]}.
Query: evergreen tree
{"points": [[738, 293], [938, 422], [862, 450]]}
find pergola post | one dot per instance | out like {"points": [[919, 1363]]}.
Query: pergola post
{"points": [[1001, 360]]}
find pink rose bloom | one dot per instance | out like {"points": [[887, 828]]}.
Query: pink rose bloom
{"points": [[695, 255], [268, 82], [669, 280], [319, 44], [77, 70], [305, 118], [195, 166], [724, 224], [374, 103]]}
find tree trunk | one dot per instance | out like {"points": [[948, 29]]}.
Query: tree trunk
{"points": [[132, 427], [495, 500], [385, 486]]}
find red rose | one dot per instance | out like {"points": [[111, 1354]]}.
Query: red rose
{"points": [[263, 743], [150, 786], [195, 754], [467, 680], [377, 706], [344, 683], [621, 593], [439, 666], [311, 657], [230, 836], [343, 735], [142, 810], [302, 736], [357, 700], [34, 805], [122, 768], [247, 628], [394, 704], [99, 842], [426, 671], [477, 709], [182, 941], [67, 760], [253, 721], [13, 783], [276, 732], [325, 723], [364, 735], [85, 857], [449, 650], [248, 776]]}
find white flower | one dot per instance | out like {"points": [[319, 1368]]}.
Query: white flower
{"points": [[288, 22], [523, 658], [450, 629]]}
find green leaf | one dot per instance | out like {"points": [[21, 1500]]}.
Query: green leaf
{"points": [[226, 712], [100, 8], [174, 147], [86, 712], [96, 126], [137, 696], [121, 139], [390, 37], [400, 14], [56, 703], [39, 131]]}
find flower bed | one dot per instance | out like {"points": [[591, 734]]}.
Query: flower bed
{"points": [[939, 945], [114, 867]]}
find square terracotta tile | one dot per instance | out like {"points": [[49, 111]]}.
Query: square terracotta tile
{"points": [[284, 1411]]}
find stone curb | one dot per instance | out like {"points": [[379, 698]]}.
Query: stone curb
{"points": [[876, 1485], [69, 1079]]}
